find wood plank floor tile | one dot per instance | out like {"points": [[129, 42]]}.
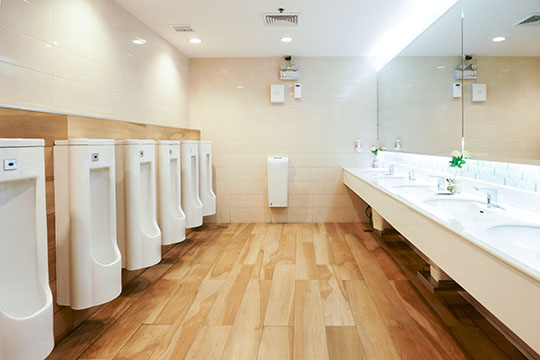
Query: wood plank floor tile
{"points": [[177, 305], [111, 311], [280, 310], [112, 340], [304, 233], [143, 342], [226, 306], [273, 291], [209, 343], [376, 339], [309, 330], [77, 342], [348, 268], [276, 343], [246, 332], [306, 269], [344, 343], [323, 251], [431, 325], [477, 343], [273, 232], [183, 331], [384, 294], [336, 309], [412, 344]]}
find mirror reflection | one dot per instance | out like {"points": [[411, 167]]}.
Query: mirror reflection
{"points": [[502, 96], [420, 98]]}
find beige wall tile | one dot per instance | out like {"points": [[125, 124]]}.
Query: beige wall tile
{"points": [[317, 133], [96, 69]]}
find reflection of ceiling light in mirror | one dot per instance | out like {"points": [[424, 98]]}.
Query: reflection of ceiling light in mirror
{"points": [[498, 39], [286, 39], [415, 18], [440, 67], [139, 41], [195, 41]]}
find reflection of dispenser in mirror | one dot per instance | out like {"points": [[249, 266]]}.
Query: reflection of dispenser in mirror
{"points": [[88, 261], [191, 202], [26, 303], [171, 217], [138, 234], [208, 198]]}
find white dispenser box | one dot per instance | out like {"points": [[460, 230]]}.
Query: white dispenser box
{"points": [[26, 303], [137, 231], [208, 198], [88, 261], [191, 202], [278, 181], [171, 217]]}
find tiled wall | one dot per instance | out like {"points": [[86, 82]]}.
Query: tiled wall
{"points": [[517, 176], [229, 101], [77, 56]]}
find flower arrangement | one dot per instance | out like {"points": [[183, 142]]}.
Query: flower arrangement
{"points": [[458, 159], [375, 150]]}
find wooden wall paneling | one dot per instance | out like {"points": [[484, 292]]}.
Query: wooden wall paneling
{"points": [[15, 123]]}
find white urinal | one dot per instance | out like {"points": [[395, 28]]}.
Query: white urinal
{"points": [[171, 218], [26, 305], [208, 198], [88, 261], [137, 231], [191, 203]]}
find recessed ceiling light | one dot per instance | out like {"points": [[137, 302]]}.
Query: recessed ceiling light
{"points": [[139, 41], [498, 39], [286, 39], [195, 41]]}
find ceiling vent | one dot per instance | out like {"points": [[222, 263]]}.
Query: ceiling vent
{"points": [[282, 19], [181, 28], [531, 20]]}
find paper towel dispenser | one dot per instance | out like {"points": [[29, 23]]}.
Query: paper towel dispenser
{"points": [[278, 181]]}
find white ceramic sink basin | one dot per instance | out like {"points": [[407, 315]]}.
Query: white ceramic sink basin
{"points": [[526, 236], [412, 189], [454, 205]]}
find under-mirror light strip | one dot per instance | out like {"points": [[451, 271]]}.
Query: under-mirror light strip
{"points": [[415, 19]]}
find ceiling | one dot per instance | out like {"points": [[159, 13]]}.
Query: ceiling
{"points": [[235, 28], [483, 20]]}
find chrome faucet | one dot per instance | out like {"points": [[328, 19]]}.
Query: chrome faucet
{"points": [[391, 170], [411, 175], [492, 196]]}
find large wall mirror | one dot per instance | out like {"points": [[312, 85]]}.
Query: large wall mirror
{"points": [[420, 108], [502, 95]]}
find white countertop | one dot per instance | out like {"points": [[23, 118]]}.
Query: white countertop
{"points": [[471, 219]]}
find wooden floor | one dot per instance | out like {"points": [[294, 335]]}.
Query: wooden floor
{"points": [[306, 291]]}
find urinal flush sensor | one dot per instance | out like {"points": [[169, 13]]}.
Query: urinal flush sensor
{"points": [[10, 164]]}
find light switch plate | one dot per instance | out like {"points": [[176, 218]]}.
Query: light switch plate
{"points": [[277, 93], [479, 92]]}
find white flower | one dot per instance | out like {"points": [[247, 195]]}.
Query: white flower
{"points": [[455, 154], [373, 148], [383, 148], [466, 155]]}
